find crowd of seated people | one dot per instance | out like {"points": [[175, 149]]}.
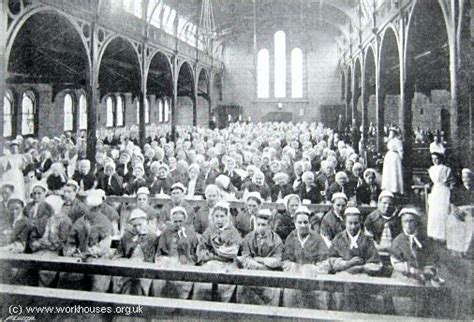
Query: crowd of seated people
{"points": [[54, 202]]}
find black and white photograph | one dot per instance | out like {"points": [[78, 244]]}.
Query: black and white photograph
{"points": [[216, 160]]}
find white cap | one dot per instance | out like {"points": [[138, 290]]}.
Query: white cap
{"points": [[386, 194], [410, 210], [178, 185], [179, 209], [338, 195], [94, 200], [137, 213], [302, 210], [143, 190], [351, 211], [39, 184], [254, 195], [264, 213]]}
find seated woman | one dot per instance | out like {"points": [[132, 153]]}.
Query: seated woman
{"points": [[413, 259], [137, 180], [281, 188], [52, 242], [368, 192], [382, 224], [18, 232], [341, 184], [332, 222], [176, 247], [90, 237], [261, 250], [216, 251], [306, 255], [258, 184], [283, 223], [138, 244], [245, 222], [352, 252], [309, 190], [195, 185]]}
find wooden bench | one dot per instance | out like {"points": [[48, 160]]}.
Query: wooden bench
{"points": [[155, 307], [233, 204]]}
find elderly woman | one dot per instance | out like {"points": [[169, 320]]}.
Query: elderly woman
{"points": [[258, 184], [84, 175], [216, 251], [333, 221], [245, 222], [281, 188], [413, 259], [352, 253], [305, 255], [161, 182], [195, 182], [341, 184], [38, 212], [109, 180], [137, 244], [137, 180], [20, 227], [368, 192], [57, 177], [203, 215], [261, 250], [383, 225], [52, 241], [90, 237], [176, 248], [309, 190], [283, 223]]}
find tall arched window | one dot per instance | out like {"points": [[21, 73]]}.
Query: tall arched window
{"points": [[82, 112], [147, 111], [296, 73], [167, 110], [68, 113], [8, 114], [160, 111], [280, 64], [28, 113], [263, 74], [120, 111], [109, 103]]}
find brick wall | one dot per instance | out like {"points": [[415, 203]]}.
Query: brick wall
{"points": [[322, 77]]}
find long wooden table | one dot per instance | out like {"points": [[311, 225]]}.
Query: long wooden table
{"points": [[326, 282], [162, 308]]}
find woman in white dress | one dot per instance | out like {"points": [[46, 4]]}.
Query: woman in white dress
{"points": [[392, 174], [439, 198]]}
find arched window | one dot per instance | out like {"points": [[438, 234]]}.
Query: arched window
{"points": [[120, 111], [8, 114], [263, 74], [68, 113], [109, 103], [160, 111], [28, 113], [167, 110], [280, 64], [147, 110], [296, 73], [82, 112]]}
